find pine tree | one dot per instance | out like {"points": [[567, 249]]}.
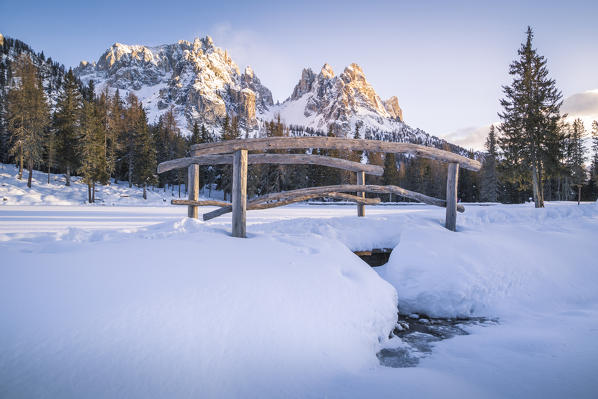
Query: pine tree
{"points": [[576, 158], [91, 148], [489, 189], [530, 119], [28, 116], [391, 173], [593, 180], [145, 162], [67, 127]]}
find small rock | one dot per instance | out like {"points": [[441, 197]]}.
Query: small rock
{"points": [[414, 316]]}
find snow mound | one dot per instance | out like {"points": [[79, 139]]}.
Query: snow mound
{"points": [[503, 258], [181, 310]]}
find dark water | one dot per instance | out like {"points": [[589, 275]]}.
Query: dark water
{"points": [[418, 336]]}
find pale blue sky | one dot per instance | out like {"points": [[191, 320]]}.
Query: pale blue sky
{"points": [[445, 61]]}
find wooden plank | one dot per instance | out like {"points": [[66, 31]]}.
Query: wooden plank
{"points": [[452, 180], [193, 181], [283, 159], [360, 182], [367, 188], [335, 143], [200, 203], [239, 194], [259, 203], [321, 191]]}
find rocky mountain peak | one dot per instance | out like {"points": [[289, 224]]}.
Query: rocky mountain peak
{"points": [[305, 83], [199, 80], [343, 100], [392, 107], [327, 71]]}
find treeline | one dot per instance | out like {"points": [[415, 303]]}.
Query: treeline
{"points": [[99, 137]]}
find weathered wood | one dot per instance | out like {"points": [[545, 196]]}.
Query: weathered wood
{"points": [[260, 203], [452, 180], [360, 182], [367, 188], [239, 194], [266, 205], [193, 182], [200, 203], [337, 189], [283, 159], [335, 143]]}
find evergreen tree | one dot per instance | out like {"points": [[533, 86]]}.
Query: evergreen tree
{"points": [[576, 157], [530, 119], [391, 173], [489, 189], [592, 189], [91, 147], [145, 162], [67, 127], [28, 116]]}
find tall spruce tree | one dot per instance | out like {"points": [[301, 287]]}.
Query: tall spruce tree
{"points": [[91, 148], [594, 164], [530, 119], [68, 135], [145, 162], [28, 116], [576, 156], [489, 189]]}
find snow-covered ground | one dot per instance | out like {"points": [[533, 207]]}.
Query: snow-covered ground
{"points": [[143, 302]]}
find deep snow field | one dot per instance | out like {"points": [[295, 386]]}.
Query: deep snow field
{"points": [[139, 301]]}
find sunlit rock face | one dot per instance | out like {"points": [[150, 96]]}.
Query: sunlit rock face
{"points": [[197, 79], [341, 100]]}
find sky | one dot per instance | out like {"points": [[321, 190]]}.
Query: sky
{"points": [[445, 61]]}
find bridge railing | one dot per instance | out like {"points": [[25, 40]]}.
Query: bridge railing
{"points": [[236, 152]]}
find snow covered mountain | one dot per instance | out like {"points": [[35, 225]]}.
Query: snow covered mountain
{"points": [[319, 101], [199, 80], [52, 72]]}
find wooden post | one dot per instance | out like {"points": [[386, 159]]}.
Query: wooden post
{"points": [[193, 183], [360, 182], [239, 194], [452, 180]]}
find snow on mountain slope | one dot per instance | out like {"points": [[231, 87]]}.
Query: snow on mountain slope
{"points": [[199, 80], [344, 100]]}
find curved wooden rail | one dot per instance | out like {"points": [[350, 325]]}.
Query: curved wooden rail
{"points": [[283, 159], [263, 202], [314, 192], [335, 143]]}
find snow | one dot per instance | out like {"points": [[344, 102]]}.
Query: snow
{"points": [[108, 301]]}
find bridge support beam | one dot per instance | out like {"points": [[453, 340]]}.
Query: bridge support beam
{"points": [[193, 190], [239, 200], [452, 180], [360, 182]]}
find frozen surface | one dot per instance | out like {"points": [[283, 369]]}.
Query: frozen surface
{"points": [[142, 302]]}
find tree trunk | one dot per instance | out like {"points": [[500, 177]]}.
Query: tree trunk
{"points": [[20, 163], [68, 175], [93, 191], [30, 167], [578, 194], [144, 191], [89, 192], [538, 200]]}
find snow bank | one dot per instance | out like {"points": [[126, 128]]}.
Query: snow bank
{"points": [[181, 309], [501, 259], [16, 192]]}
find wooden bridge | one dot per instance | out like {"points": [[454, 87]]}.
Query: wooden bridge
{"points": [[236, 152]]}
